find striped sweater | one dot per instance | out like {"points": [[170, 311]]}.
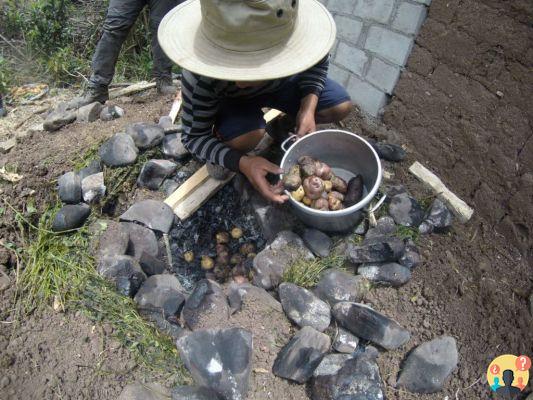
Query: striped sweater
{"points": [[202, 95]]}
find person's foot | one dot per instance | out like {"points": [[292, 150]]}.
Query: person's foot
{"points": [[91, 95], [217, 172], [165, 86]]}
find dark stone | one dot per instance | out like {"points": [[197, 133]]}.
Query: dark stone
{"points": [[141, 240], [71, 216], [58, 118], [238, 295], [272, 218], [336, 285], [118, 151], [89, 112], [69, 188], [93, 188], [429, 365], [389, 151], [94, 167], [110, 113], [369, 324], [411, 256], [154, 214], [114, 240], [394, 190], [219, 359], [124, 271], [388, 274], [385, 227], [406, 210], [361, 228], [439, 216], [377, 249], [169, 186], [161, 294], [152, 265], [193, 393], [331, 364], [303, 307], [145, 135], [173, 147], [425, 228], [171, 329], [318, 242], [154, 172], [207, 300], [345, 342], [299, 358]]}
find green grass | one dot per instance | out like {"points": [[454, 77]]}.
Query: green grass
{"points": [[306, 273], [407, 232]]}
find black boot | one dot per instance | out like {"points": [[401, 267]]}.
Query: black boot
{"points": [[165, 86], [91, 95]]}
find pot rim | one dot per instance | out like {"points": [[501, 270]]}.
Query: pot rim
{"points": [[346, 211]]}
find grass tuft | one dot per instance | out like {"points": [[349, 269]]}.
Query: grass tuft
{"points": [[307, 273], [407, 232]]}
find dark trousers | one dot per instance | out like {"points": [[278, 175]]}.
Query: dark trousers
{"points": [[121, 16]]}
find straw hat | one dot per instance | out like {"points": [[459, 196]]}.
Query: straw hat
{"points": [[247, 40]]}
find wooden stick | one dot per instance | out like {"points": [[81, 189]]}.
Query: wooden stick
{"points": [[136, 87], [460, 209], [176, 106]]}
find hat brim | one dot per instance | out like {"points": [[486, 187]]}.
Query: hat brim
{"points": [[184, 43]]}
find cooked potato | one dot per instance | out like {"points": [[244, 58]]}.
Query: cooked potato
{"points": [[313, 187], [292, 180], [298, 194], [339, 184], [236, 233], [222, 237], [207, 263]]}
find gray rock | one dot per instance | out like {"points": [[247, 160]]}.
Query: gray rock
{"points": [[141, 240], [318, 242], [335, 286], [71, 216], [89, 112], [406, 210], [193, 393], [69, 188], [7, 145], [388, 274], [94, 167], [299, 358], [385, 227], [169, 186], [411, 256], [162, 294], [429, 365], [219, 359], [110, 113], [361, 228], [171, 329], [152, 265], [303, 307], [331, 364], [165, 121], [206, 301], [154, 172], [272, 218], [377, 249], [371, 325], [439, 216], [394, 190], [93, 188], [154, 214], [58, 118], [425, 228], [173, 148], [114, 240], [124, 271], [345, 342], [238, 294], [389, 151], [145, 135], [270, 263], [118, 151], [143, 391]]}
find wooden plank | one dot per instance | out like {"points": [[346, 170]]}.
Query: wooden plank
{"points": [[176, 106], [187, 187], [460, 209], [136, 87]]}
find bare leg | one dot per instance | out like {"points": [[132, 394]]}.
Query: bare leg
{"points": [[334, 114], [247, 142]]}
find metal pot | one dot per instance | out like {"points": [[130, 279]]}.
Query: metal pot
{"points": [[348, 155]]}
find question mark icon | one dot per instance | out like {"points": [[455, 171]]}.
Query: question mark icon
{"points": [[495, 369], [523, 363]]}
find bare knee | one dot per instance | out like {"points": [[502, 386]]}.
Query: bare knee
{"points": [[247, 142], [335, 114]]}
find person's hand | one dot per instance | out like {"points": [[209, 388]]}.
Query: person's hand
{"points": [[255, 169], [305, 123]]}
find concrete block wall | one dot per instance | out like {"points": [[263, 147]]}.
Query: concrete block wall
{"points": [[374, 39]]}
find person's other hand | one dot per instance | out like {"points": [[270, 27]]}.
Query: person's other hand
{"points": [[255, 169], [305, 122]]}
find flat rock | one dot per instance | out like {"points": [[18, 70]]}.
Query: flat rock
{"points": [[162, 294], [94, 167], [270, 263], [173, 148], [219, 359], [385, 227], [206, 304], [240, 294], [118, 151], [299, 358], [152, 265], [89, 112], [141, 240], [366, 323], [193, 393], [154, 214], [69, 186], [345, 342], [336, 285], [154, 172], [169, 186], [303, 307], [439, 216], [377, 249], [387, 274], [93, 188], [318, 242], [411, 256], [331, 364], [59, 118], [427, 367], [114, 239], [144, 391], [71, 216], [406, 210], [124, 271], [110, 113], [7, 145], [145, 135]]}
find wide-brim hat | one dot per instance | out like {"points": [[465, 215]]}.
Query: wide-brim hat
{"points": [[215, 38]]}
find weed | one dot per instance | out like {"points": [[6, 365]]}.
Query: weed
{"points": [[306, 273], [407, 232]]}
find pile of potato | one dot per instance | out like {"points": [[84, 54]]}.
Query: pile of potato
{"points": [[313, 183]]}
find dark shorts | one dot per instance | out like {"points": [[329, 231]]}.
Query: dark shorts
{"points": [[237, 116]]}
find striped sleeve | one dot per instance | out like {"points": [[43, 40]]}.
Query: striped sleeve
{"points": [[314, 79], [199, 108]]}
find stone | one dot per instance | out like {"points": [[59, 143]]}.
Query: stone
{"points": [[272, 218], [384, 76], [169, 186], [193, 393], [361, 228], [390, 45], [348, 28], [153, 214], [388, 274], [145, 135], [154, 172], [110, 113], [368, 324], [377, 249], [173, 147], [118, 151], [331, 364], [345, 342], [299, 358], [5, 282], [427, 367], [114, 239], [318, 242], [71, 216], [385, 227], [270, 263], [389, 151], [143, 391], [89, 112], [165, 121], [376, 10], [152, 265], [336, 285], [393, 190], [94, 167], [7, 145], [58, 118], [406, 210], [238, 294], [409, 18], [206, 301], [141, 240], [351, 58], [124, 271], [338, 74], [171, 329], [357, 378], [69, 188], [303, 307], [411, 256], [161, 294], [425, 228], [93, 188], [368, 97], [219, 359], [439, 216]]}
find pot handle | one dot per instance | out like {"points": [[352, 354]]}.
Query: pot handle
{"points": [[286, 141]]}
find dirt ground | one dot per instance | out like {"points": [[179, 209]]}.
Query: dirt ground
{"points": [[463, 108]]}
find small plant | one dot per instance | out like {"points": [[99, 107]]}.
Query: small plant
{"points": [[307, 273], [407, 232]]}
